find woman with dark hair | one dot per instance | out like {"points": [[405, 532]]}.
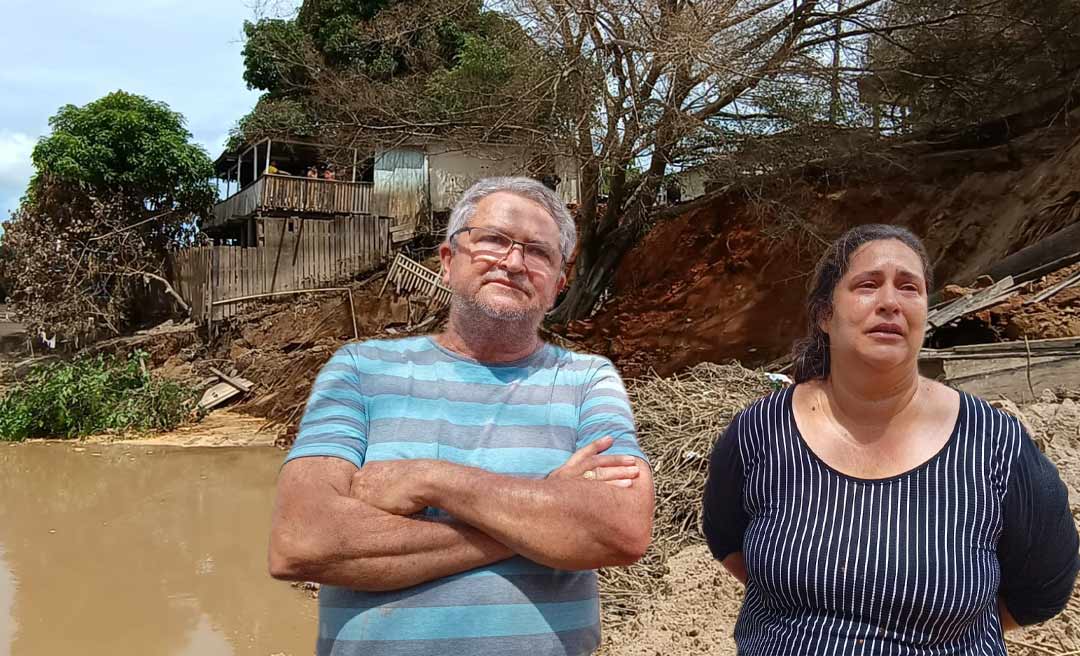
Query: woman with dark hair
{"points": [[870, 510]]}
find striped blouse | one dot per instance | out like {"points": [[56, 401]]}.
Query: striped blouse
{"points": [[912, 564]]}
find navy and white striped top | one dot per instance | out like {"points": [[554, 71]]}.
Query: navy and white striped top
{"points": [[912, 564]]}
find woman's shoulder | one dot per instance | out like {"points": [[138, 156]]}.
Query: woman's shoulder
{"points": [[989, 425], [766, 410]]}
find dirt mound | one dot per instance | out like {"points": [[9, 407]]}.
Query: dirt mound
{"points": [[728, 280], [281, 345], [697, 617]]}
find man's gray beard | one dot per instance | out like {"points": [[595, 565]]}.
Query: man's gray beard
{"points": [[474, 308]]}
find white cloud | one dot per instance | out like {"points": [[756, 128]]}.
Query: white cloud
{"points": [[15, 149], [15, 168]]}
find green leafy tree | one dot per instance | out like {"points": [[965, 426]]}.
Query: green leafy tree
{"points": [[118, 184], [126, 143], [274, 56], [372, 71]]}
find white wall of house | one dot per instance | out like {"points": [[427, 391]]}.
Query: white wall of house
{"points": [[411, 181], [454, 171]]}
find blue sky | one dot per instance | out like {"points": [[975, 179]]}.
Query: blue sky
{"points": [[185, 53]]}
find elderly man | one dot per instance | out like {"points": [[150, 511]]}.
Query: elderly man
{"points": [[454, 493]]}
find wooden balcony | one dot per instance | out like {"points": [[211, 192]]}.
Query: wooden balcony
{"points": [[283, 195]]}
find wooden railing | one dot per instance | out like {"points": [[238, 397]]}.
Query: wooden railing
{"points": [[283, 193], [314, 195], [242, 203]]}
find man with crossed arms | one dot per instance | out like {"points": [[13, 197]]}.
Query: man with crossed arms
{"points": [[455, 493]]}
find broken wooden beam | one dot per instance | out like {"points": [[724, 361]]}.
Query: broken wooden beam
{"points": [[980, 300], [218, 394], [1047, 293], [241, 384]]}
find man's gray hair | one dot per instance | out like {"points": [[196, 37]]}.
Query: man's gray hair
{"points": [[534, 190]]}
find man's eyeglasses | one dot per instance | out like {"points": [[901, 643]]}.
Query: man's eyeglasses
{"points": [[493, 245]]}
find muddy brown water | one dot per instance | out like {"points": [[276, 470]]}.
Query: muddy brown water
{"points": [[121, 549]]}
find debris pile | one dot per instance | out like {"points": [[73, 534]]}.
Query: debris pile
{"points": [[678, 419]]}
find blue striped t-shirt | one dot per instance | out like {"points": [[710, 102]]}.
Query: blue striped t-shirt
{"points": [[411, 398]]}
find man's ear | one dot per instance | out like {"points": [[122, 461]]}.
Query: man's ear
{"points": [[446, 254]]}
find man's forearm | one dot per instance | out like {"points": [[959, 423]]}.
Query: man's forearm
{"points": [[567, 524], [339, 540]]}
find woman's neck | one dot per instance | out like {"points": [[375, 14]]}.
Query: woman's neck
{"points": [[870, 400]]}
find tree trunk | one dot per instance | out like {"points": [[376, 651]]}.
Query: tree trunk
{"points": [[604, 245], [593, 274]]}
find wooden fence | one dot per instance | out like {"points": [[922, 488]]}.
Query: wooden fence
{"points": [[294, 254]]}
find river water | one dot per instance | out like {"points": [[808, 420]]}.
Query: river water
{"points": [[126, 549]]}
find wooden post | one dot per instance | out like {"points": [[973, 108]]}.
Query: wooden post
{"points": [[210, 296], [354, 165], [268, 145]]}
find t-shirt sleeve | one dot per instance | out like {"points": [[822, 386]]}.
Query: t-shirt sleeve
{"points": [[724, 519], [605, 410], [335, 418], [1037, 550]]}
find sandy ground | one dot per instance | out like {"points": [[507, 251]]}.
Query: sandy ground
{"points": [[219, 428], [698, 616]]}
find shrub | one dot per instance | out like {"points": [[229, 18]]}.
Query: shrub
{"points": [[92, 395]]}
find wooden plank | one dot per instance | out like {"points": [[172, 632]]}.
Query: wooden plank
{"points": [[1048, 293], [1008, 377], [1035, 345], [234, 278], [241, 384], [980, 300], [217, 395]]}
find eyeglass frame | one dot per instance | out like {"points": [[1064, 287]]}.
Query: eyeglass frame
{"points": [[513, 242]]}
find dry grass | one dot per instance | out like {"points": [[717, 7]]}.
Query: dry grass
{"points": [[678, 420]]}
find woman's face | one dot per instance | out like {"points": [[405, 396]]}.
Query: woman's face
{"points": [[879, 307]]}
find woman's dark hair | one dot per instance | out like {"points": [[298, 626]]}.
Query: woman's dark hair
{"points": [[810, 355]]}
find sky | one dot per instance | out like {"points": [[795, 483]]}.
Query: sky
{"points": [[185, 53]]}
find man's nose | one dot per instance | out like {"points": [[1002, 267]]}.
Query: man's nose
{"points": [[514, 260]]}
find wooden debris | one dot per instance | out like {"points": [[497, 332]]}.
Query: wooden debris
{"points": [[1064, 284], [980, 300], [409, 276], [239, 383], [1015, 370], [230, 387]]}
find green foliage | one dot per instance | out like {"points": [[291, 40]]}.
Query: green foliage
{"points": [[273, 50], [346, 34], [273, 117], [481, 67], [92, 395], [392, 62], [129, 143]]}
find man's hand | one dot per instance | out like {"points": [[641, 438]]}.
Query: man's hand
{"points": [[391, 485], [587, 462]]}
